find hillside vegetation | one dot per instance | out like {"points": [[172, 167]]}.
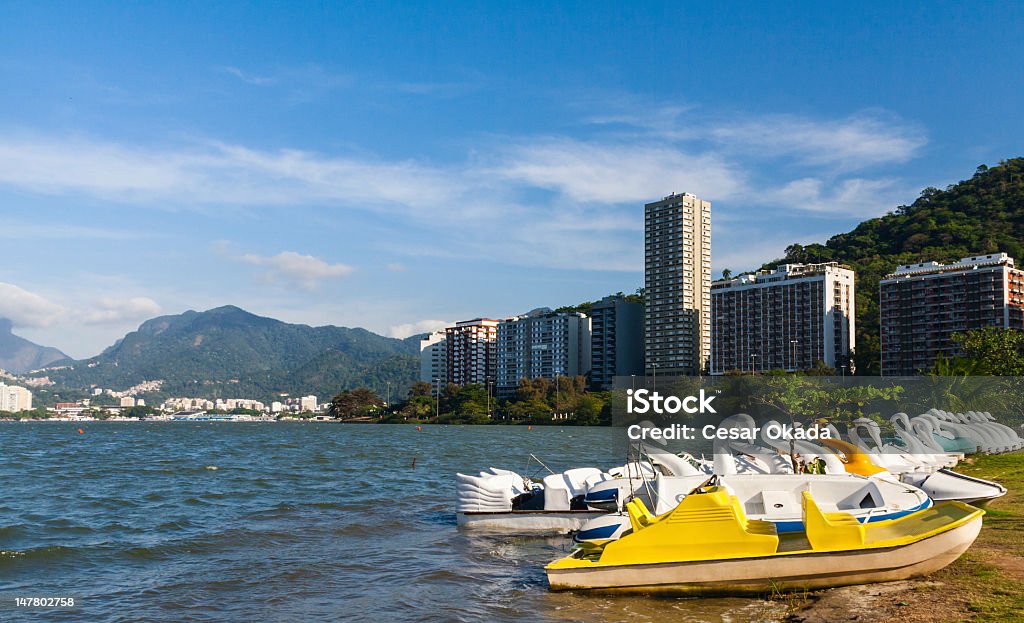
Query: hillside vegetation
{"points": [[228, 352], [983, 214]]}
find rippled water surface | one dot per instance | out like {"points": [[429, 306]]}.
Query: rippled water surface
{"points": [[287, 522]]}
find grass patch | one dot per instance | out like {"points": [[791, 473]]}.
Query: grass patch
{"points": [[986, 583], [989, 579]]}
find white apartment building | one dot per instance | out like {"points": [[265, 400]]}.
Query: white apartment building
{"points": [[541, 344], [786, 319], [14, 398], [677, 283], [308, 403], [433, 359]]}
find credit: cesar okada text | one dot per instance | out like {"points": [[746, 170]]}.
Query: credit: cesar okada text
{"points": [[643, 402]]}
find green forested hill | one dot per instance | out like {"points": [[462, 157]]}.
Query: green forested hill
{"points": [[983, 214], [228, 352]]}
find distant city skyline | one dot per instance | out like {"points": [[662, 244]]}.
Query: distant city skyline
{"points": [[400, 168]]}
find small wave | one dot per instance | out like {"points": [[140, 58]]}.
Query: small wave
{"points": [[329, 505], [49, 554], [209, 544], [440, 518], [10, 531]]}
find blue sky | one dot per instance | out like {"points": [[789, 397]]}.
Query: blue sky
{"points": [[397, 166]]}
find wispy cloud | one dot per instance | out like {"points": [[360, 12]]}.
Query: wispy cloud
{"points": [[118, 311], [298, 84], [16, 230], [554, 200], [850, 197], [247, 77], [616, 173], [852, 143], [290, 267], [415, 328], [211, 173]]}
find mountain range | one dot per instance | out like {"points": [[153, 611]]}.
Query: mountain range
{"points": [[228, 352]]}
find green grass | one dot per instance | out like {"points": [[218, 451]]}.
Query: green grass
{"points": [[985, 584], [989, 578]]}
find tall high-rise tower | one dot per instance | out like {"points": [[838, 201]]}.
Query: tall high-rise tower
{"points": [[677, 282]]}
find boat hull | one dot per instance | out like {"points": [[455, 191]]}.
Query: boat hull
{"points": [[780, 572], [539, 521], [945, 485]]}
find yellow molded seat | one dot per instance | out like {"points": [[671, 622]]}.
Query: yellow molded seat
{"points": [[639, 516], [706, 525], [830, 531]]}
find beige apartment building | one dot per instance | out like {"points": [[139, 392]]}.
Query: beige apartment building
{"points": [[923, 305], [677, 282], [470, 351]]}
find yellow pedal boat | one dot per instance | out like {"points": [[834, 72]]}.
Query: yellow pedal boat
{"points": [[706, 545]]}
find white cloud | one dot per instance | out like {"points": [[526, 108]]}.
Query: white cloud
{"points": [[397, 267], [247, 77], [617, 173], [304, 270], [415, 328], [857, 197], [120, 311], [853, 142], [537, 200], [28, 309], [213, 173], [15, 230]]}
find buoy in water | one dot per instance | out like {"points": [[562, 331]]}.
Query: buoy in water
{"points": [[419, 428], [81, 432], [530, 427]]}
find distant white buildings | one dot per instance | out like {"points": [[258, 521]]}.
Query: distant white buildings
{"points": [[541, 344], [14, 398], [433, 358], [498, 353], [307, 403], [186, 404], [127, 402]]}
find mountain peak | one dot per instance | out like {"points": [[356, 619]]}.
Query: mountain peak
{"points": [[228, 309], [18, 355]]}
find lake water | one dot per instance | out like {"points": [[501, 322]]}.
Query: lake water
{"points": [[288, 522]]}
